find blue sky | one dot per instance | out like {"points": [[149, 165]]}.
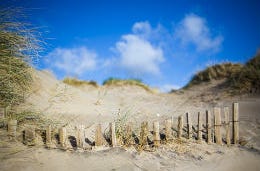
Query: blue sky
{"points": [[162, 42]]}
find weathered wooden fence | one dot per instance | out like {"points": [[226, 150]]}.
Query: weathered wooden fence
{"points": [[210, 129]]}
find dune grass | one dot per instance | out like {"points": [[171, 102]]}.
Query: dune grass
{"points": [[19, 48], [239, 78], [215, 72], [76, 83], [122, 82], [248, 79]]}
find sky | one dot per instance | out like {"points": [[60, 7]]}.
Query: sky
{"points": [[162, 42]]}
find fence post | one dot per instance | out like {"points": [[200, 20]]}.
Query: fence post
{"points": [[189, 126], [98, 137], [63, 137], [144, 133], [12, 126], [180, 126], [168, 130], [199, 133], [217, 116], [80, 136], [208, 125], [156, 134], [227, 125], [48, 136], [236, 123], [112, 128]]}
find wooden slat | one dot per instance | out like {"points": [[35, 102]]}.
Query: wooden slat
{"points": [[112, 129], [227, 125], [63, 136], [48, 136], [168, 130], [98, 136], [189, 126], [180, 126], [199, 131], [208, 125], [156, 134], [80, 136], [236, 123], [217, 116]]}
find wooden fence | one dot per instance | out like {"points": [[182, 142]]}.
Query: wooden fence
{"points": [[210, 129]]}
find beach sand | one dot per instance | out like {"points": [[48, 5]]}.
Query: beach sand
{"points": [[88, 106]]}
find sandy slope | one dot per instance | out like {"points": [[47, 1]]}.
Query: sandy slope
{"points": [[88, 105]]}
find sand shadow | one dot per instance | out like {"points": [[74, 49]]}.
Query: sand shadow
{"points": [[73, 142]]}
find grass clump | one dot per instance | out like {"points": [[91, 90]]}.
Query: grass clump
{"points": [[120, 123], [215, 72], [122, 82], [75, 82], [239, 78], [19, 47], [248, 79]]}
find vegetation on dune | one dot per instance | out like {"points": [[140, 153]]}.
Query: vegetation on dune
{"points": [[249, 77], [215, 72], [19, 47], [122, 82], [239, 78], [75, 82]]}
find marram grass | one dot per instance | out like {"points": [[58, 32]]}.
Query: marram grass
{"points": [[19, 48]]}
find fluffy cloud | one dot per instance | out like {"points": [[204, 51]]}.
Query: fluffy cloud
{"points": [[194, 30], [142, 29], [137, 54], [73, 61]]}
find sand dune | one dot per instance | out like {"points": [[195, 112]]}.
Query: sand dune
{"points": [[89, 105]]}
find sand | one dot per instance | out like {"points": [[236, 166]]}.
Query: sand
{"points": [[89, 106]]}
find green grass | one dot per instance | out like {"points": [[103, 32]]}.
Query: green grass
{"points": [[76, 83], [122, 82]]}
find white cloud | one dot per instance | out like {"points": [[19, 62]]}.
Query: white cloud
{"points": [[137, 54], [143, 29], [74, 61], [194, 30], [168, 87]]}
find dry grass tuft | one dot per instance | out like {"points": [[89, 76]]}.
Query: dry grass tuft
{"points": [[248, 79], [123, 82], [239, 78], [75, 82], [19, 47], [120, 124], [215, 72]]}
